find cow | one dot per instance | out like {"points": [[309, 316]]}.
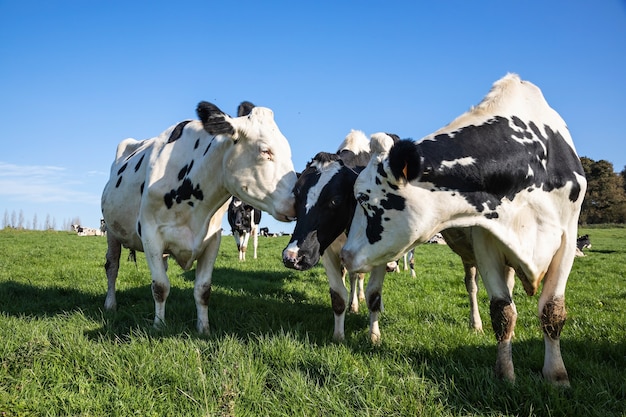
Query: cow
{"points": [[582, 242], [325, 205], [507, 170], [244, 220], [168, 194], [86, 231]]}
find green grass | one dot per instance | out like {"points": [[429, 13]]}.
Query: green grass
{"points": [[270, 350]]}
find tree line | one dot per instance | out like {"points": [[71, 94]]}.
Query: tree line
{"points": [[17, 220], [605, 201]]}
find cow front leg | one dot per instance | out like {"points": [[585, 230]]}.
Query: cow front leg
{"points": [[503, 319], [338, 290], [111, 267], [202, 285], [160, 283], [374, 297]]}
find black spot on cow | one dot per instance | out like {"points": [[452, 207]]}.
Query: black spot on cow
{"points": [[122, 169], [207, 148], [183, 193], [143, 184], [374, 228], [182, 173], [501, 163], [195, 146], [119, 181], [178, 131], [139, 228], [393, 202], [139, 163], [492, 215]]}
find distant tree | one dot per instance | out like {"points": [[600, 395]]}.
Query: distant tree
{"points": [[13, 219], [5, 220], [47, 225], [35, 221], [623, 175], [605, 201], [20, 220]]}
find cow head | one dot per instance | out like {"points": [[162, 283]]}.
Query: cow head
{"points": [[324, 208], [240, 216], [258, 162], [381, 228]]}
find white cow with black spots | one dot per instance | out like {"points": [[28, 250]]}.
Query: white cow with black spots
{"points": [[506, 170], [168, 194]]}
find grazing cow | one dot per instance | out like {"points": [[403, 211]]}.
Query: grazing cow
{"points": [[507, 170], [168, 194], [583, 242], [244, 220]]}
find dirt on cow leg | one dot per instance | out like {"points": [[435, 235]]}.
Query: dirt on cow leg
{"points": [[503, 319]]}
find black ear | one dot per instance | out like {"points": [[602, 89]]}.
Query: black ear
{"points": [[213, 119], [393, 136], [244, 108], [405, 160]]}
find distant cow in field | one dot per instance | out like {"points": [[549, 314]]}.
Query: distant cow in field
{"points": [[583, 242], [244, 223], [86, 231], [506, 171], [168, 194]]}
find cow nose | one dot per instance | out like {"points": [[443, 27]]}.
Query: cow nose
{"points": [[290, 257]]}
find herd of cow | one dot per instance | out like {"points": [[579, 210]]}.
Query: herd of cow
{"points": [[502, 183]]}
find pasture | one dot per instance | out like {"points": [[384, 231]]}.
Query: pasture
{"points": [[270, 349]]}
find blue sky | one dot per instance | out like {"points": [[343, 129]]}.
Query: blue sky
{"points": [[77, 77]]}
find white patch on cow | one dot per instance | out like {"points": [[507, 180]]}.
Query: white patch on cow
{"points": [[356, 141], [327, 172], [468, 160]]}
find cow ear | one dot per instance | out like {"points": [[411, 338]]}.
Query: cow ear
{"points": [[244, 108], [215, 121], [405, 160]]}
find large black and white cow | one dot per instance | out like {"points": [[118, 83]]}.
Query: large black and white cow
{"points": [[244, 224], [507, 170], [168, 194], [325, 206]]}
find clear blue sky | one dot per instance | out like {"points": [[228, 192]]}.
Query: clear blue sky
{"points": [[76, 77]]}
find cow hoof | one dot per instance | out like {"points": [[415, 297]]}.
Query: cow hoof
{"points": [[376, 339]]}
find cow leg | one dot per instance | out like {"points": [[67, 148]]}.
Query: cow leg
{"points": [[471, 284], [411, 256], [338, 290], [357, 292], [112, 266], [552, 312], [255, 239], [244, 245], [374, 297], [202, 285], [498, 279], [204, 270]]}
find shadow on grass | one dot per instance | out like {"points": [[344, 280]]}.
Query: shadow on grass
{"points": [[252, 302]]}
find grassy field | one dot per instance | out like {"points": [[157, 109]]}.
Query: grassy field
{"points": [[270, 350]]}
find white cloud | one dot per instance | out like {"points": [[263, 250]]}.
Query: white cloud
{"points": [[42, 184]]}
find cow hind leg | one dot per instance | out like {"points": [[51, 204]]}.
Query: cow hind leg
{"points": [[471, 284], [503, 319], [553, 317], [112, 267]]}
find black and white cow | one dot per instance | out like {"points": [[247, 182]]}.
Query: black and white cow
{"points": [[86, 231], [325, 206], [507, 170], [168, 194], [244, 221], [582, 242]]}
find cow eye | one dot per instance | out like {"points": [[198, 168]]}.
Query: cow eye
{"points": [[335, 201], [266, 153], [362, 198]]}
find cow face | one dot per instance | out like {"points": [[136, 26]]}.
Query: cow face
{"points": [[324, 208], [381, 229], [259, 162]]}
